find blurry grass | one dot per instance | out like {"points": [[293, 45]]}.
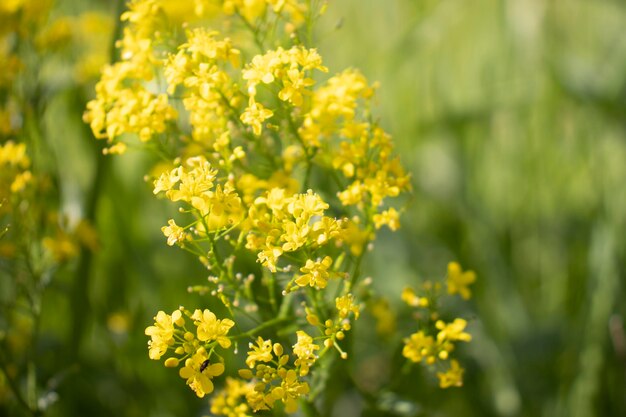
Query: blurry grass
{"points": [[511, 116]]}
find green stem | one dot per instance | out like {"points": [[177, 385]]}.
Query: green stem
{"points": [[80, 297], [263, 326], [255, 33], [272, 290], [16, 392]]}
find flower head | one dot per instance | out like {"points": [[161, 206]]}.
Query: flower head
{"points": [[162, 333], [173, 233], [315, 273], [345, 305], [304, 349], [458, 281], [419, 346], [198, 372], [453, 377], [262, 352], [210, 328]]}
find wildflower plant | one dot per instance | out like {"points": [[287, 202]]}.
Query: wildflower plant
{"points": [[269, 159]]}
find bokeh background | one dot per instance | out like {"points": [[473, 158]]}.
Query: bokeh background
{"points": [[511, 116]]}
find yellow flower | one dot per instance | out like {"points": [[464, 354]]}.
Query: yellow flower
{"points": [[167, 180], [324, 229], [21, 181], [196, 180], [453, 377], [198, 372], [419, 346], [258, 401], [409, 297], [295, 235], [210, 328], [173, 233], [458, 281], [254, 115], [249, 9], [230, 401], [452, 331], [305, 206], [315, 273], [294, 85], [345, 305], [389, 218], [262, 352], [162, 333], [304, 349], [289, 390], [269, 257], [225, 207], [13, 154]]}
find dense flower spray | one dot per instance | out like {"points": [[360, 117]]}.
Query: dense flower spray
{"points": [[269, 158]]}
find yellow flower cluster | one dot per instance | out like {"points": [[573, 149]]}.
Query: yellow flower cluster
{"points": [[14, 172], [216, 205], [436, 340], [274, 379], [209, 93], [280, 224], [288, 69], [124, 103], [231, 400], [274, 161], [22, 194], [336, 124], [196, 350]]}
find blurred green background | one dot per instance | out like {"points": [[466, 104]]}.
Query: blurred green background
{"points": [[511, 116]]}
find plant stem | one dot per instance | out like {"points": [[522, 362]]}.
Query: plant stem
{"points": [[15, 389], [79, 297], [263, 326]]}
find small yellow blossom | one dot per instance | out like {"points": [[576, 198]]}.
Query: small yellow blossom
{"points": [[258, 400], [304, 349], [210, 328], [198, 372], [412, 299], [458, 281], [262, 352], [389, 218], [419, 346], [231, 401], [289, 391], [14, 155], [162, 333], [173, 233], [452, 331], [254, 115], [453, 377], [315, 273], [345, 305]]}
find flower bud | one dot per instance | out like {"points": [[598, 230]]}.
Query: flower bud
{"points": [[171, 362]]}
